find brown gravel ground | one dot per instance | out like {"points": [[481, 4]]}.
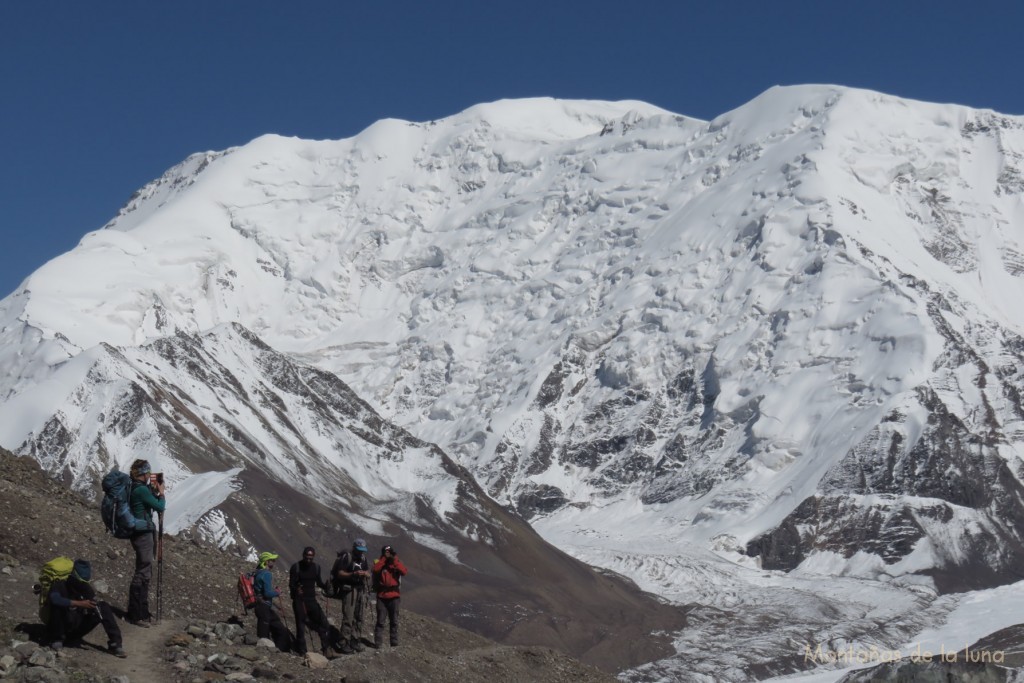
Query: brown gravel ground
{"points": [[40, 520]]}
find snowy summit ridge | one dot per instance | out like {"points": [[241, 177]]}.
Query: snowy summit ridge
{"points": [[788, 334]]}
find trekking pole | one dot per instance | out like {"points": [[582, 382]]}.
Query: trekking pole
{"points": [[366, 606], [306, 623], [326, 622], [327, 612], [363, 608], [281, 611], [160, 572]]}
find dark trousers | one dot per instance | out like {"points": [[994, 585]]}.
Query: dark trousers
{"points": [[269, 625], [73, 623], [309, 610], [387, 608], [138, 590]]}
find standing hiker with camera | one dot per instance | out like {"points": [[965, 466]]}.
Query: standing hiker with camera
{"points": [[348, 576], [303, 580], [388, 571], [146, 497]]}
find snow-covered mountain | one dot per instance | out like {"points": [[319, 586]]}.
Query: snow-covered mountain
{"points": [[696, 353]]}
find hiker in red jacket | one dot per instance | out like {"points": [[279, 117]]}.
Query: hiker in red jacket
{"points": [[388, 571]]}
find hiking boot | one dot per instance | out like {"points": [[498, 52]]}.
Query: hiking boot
{"points": [[141, 623], [344, 648], [394, 642], [356, 645], [117, 651]]}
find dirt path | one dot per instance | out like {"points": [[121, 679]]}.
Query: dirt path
{"points": [[144, 647]]}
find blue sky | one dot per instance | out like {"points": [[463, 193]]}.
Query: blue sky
{"points": [[98, 98]]}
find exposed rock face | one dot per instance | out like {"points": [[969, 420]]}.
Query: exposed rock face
{"points": [[941, 479], [931, 672]]}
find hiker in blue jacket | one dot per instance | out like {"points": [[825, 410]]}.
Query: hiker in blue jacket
{"points": [[145, 498], [268, 624]]}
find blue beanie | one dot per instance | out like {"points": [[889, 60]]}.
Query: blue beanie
{"points": [[82, 570]]}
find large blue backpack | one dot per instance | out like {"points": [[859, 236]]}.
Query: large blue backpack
{"points": [[116, 509]]}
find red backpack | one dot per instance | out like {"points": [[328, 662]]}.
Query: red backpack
{"points": [[246, 590]]}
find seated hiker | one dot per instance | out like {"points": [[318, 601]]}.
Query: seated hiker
{"points": [[268, 623], [74, 612]]}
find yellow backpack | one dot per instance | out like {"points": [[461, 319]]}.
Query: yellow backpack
{"points": [[57, 569]]}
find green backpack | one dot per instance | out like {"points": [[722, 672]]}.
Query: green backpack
{"points": [[57, 569]]}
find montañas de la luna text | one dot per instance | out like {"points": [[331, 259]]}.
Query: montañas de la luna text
{"points": [[821, 654]]}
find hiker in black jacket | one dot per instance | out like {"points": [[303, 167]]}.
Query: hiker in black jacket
{"points": [[303, 580], [74, 612]]}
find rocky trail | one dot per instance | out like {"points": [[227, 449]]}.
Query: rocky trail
{"points": [[144, 647]]}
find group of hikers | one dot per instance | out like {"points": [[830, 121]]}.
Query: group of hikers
{"points": [[351, 581], [70, 610]]}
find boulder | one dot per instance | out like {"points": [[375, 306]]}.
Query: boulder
{"points": [[316, 661]]}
